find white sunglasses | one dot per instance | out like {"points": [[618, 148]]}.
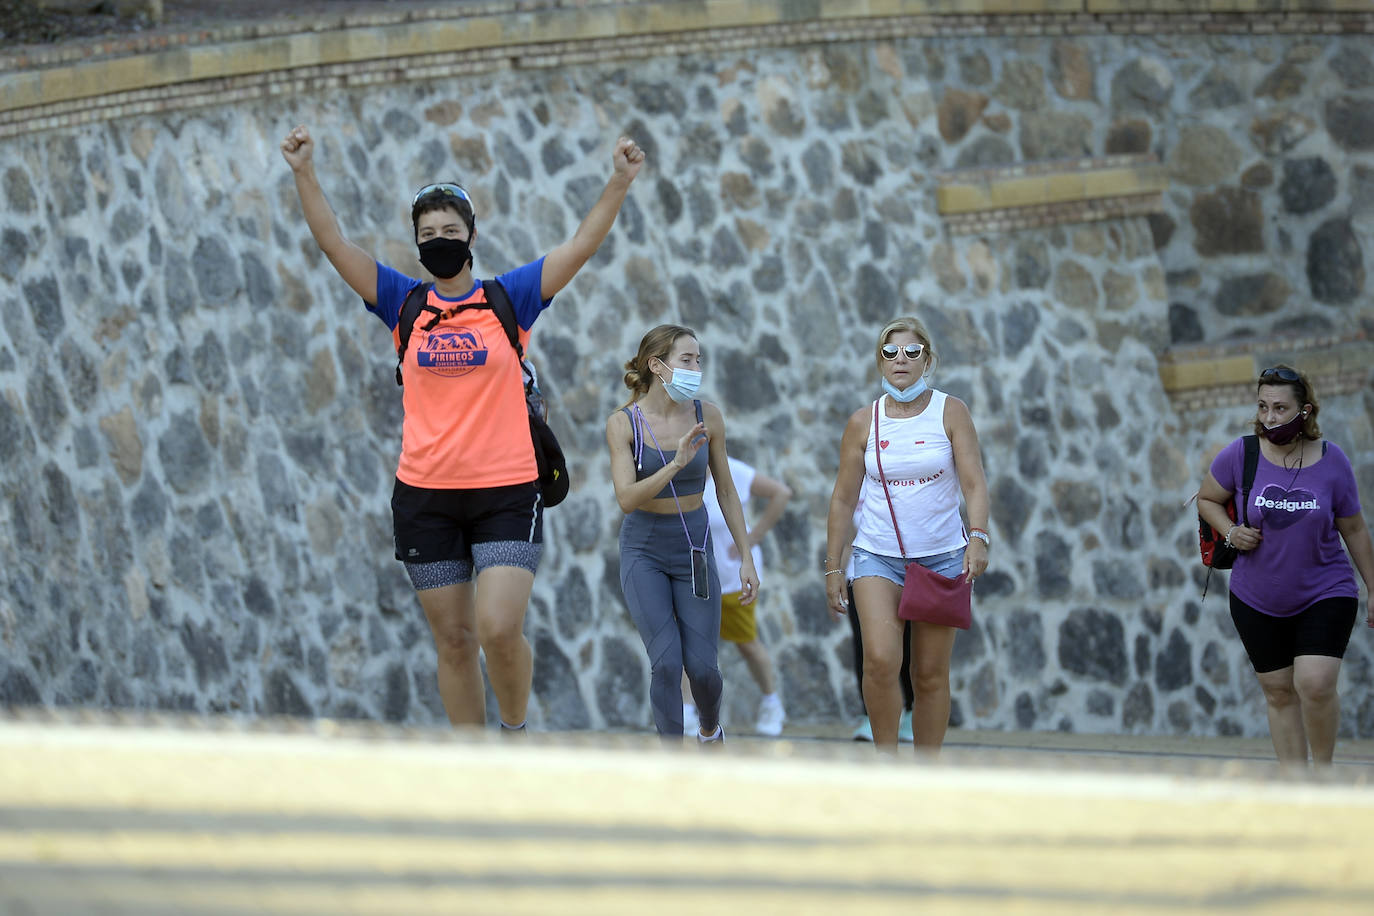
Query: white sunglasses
{"points": [[913, 351]]}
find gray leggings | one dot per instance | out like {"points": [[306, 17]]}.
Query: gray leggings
{"points": [[680, 631]]}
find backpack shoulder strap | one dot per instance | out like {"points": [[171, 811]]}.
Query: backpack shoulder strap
{"points": [[500, 304], [1247, 480], [1324, 445], [417, 300]]}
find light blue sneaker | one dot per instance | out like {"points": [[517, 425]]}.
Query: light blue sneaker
{"points": [[865, 730], [904, 728]]}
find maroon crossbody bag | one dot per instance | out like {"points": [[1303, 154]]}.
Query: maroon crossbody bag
{"points": [[927, 596]]}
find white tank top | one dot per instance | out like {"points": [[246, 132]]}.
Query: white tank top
{"points": [[918, 461]]}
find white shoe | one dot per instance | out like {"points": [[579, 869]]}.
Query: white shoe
{"points": [[771, 716], [691, 723], [715, 739]]}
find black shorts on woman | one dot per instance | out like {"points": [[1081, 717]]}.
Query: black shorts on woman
{"points": [[437, 526], [1322, 628]]}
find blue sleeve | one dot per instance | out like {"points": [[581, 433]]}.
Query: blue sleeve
{"points": [[523, 286], [392, 289], [1226, 466]]}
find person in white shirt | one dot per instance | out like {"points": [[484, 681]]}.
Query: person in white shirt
{"points": [[737, 622], [910, 511]]}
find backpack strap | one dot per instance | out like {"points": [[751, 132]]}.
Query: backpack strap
{"points": [[417, 300], [500, 304], [1247, 479]]}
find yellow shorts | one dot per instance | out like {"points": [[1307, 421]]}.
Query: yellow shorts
{"points": [[737, 620]]}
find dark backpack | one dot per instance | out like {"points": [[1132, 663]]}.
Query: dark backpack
{"points": [[553, 467], [1211, 542]]}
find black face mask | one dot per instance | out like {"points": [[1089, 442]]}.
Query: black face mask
{"points": [[445, 258], [1285, 433]]}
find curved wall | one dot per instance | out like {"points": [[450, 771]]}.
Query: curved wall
{"points": [[198, 423]]}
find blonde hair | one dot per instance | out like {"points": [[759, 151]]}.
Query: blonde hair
{"points": [[912, 326], [656, 344], [1303, 391]]}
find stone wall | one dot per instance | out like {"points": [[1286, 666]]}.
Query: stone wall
{"points": [[198, 423]]}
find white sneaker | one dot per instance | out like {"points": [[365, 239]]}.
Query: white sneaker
{"points": [[904, 734], [714, 740], [771, 716], [691, 723]]}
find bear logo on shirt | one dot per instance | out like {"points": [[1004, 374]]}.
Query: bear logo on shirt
{"points": [[452, 352]]}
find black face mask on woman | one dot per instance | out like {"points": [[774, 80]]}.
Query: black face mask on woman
{"points": [[1285, 433], [444, 258]]}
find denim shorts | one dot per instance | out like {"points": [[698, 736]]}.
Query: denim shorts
{"points": [[948, 564]]}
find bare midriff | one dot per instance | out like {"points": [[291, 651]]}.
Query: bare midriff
{"points": [[669, 506]]}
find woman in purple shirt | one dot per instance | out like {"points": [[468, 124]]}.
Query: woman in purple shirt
{"points": [[1293, 594]]}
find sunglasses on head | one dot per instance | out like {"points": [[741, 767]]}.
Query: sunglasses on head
{"points": [[1281, 373], [442, 189], [912, 351]]}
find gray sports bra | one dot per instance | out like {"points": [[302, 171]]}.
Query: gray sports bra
{"points": [[689, 481]]}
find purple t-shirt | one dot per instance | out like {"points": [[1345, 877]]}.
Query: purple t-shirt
{"points": [[1300, 560]]}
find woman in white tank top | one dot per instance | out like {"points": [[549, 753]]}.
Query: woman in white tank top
{"points": [[930, 457]]}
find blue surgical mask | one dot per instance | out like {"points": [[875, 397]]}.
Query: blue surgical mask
{"points": [[910, 394], [683, 385]]}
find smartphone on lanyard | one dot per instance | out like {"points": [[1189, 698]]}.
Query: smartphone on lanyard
{"points": [[701, 579]]}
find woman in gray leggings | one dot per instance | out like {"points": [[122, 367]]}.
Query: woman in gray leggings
{"points": [[666, 568]]}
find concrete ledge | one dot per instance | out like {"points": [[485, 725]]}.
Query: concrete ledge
{"points": [[40, 78], [329, 818], [1199, 378], [1038, 194], [1073, 180], [1226, 6]]}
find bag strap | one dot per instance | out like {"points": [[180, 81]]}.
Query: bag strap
{"points": [[416, 301], [500, 304], [697, 405], [1247, 480], [878, 453]]}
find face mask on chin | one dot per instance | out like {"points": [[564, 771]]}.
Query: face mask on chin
{"points": [[445, 258], [1285, 433], [911, 393]]}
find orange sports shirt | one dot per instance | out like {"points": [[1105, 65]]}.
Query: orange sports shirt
{"points": [[465, 418]]}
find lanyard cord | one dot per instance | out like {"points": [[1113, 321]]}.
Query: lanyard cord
{"points": [[878, 454]]}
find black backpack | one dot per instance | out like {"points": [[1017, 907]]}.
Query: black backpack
{"points": [[553, 468], [1211, 542]]}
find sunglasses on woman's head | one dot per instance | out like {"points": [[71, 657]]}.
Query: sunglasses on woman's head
{"points": [[442, 189], [1280, 373], [912, 351]]}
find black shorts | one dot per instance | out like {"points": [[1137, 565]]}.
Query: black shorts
{"points": [[435, 525], [1273, 642]]}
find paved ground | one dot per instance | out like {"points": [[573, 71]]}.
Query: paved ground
{"points": [[119, 816]]}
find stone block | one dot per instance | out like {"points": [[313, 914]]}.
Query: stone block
{"points": [[1205, 372], [1086, 184]]}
